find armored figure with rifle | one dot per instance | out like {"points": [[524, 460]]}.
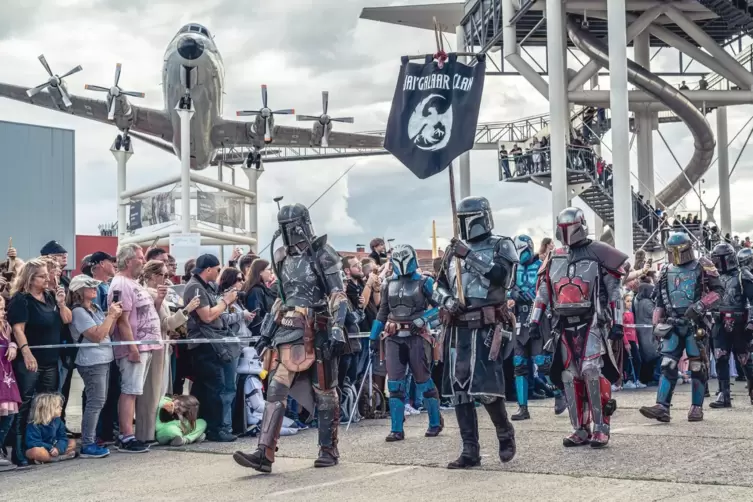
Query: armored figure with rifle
{"points": [[401, 329], [689, 288], [732, 330], [580, 283], [305, 331], [477, 326]]}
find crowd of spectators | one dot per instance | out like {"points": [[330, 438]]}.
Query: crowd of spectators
{"points": [[137, 396]]}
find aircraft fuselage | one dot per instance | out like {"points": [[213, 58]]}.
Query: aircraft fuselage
{"points": [[193, 62]]}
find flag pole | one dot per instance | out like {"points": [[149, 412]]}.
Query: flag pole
{"points": [[440, 56], [458, 269]]}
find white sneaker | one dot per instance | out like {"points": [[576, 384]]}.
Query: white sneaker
{"points": [[411, 410], [640, 385], [629, 385], [615, 388]]}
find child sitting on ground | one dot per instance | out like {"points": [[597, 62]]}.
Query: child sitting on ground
{"points": [[46, 440], [177, 422]]}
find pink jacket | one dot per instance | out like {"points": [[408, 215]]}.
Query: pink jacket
{"points": [[630, 333]]}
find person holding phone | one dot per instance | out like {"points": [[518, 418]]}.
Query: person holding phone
{"points": [[259, 298], [139, 322]]}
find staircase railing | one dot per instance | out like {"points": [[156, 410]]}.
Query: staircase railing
{"points": [[579, 158]]}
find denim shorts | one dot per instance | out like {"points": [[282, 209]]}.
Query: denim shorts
{"points": [[133, 375]]}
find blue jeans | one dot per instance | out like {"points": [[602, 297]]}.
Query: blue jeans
{"points": [[228, 394]]}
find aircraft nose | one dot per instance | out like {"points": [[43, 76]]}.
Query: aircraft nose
{"points": [[190, 48]]}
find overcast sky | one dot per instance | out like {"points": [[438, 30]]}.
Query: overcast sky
{"points": [[298, 48]]}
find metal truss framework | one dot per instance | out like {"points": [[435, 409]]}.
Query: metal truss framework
{"points": [[488, 136], [482, 28]]}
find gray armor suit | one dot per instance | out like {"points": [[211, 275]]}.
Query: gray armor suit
{"points": [[475, 330], [305, 330], [403, 321], [731, 331]]}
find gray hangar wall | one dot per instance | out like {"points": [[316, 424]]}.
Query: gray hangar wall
{"points": [[37, 189]]}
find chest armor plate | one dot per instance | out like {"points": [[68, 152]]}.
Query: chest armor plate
{"points": [[406, 299], [475, 285], [299, 283], [683, 285], [526, 277], [732, 298], [574, 285]]}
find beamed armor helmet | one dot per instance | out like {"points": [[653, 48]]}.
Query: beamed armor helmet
{"points": [[724, 257], [679, 248], [475, 218], [572, 228], [404, 259], [295, 226]]}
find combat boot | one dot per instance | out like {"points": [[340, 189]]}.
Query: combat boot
{"points": [[503, 427], [560, 404], [695, 413], [723, 399], [521, 414], [657, 412], [468, 424], [264, 456], [432, 432]]}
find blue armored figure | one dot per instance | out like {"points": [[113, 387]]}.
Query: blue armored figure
{"points": [[689, 288], [402, 328], [529, 346]]}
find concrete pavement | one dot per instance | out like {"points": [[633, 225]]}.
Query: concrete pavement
{"points": [[645, 461]]}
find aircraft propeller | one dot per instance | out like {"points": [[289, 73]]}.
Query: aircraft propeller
{"points": [[55, 81], [114, 91], [324, 119], [265, 113]]}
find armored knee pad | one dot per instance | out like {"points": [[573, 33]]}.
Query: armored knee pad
{"points": [[669, 368], [543, 362], [397, 389], [428, 389], [277, 392], [520, 366]]}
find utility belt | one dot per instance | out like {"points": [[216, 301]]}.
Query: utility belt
{"points": [[498, 316], [392, 328], [297, 357]]}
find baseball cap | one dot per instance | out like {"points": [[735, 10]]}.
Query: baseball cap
{"points": [[94, 259], [82, 281], [204, 262]]}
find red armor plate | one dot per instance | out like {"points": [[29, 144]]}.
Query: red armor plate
{"points": [[572, 290]]}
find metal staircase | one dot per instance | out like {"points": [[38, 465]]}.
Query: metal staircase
{"points": [[584, 182]]}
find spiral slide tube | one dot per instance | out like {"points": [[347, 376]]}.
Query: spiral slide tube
{"points": [[703, 136]]}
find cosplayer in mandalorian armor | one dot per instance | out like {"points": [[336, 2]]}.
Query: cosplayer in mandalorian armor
{"points": [[477, 327], [403, 322], [581, 285], [305, 332], [688, 289], [527, 347], [733, 327], [745, 258]]}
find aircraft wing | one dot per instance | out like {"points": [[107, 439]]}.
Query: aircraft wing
{"points": [[145, 120], [233, 133]]}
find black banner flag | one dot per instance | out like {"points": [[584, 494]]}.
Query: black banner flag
{"points": [[434, 113]]}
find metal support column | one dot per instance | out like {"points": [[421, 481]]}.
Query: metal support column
{"points": [[618, 100], [253, 208], [559, 123], [464, 161], [723, 155], [644, 128], [185, 167], [122, 157]]}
